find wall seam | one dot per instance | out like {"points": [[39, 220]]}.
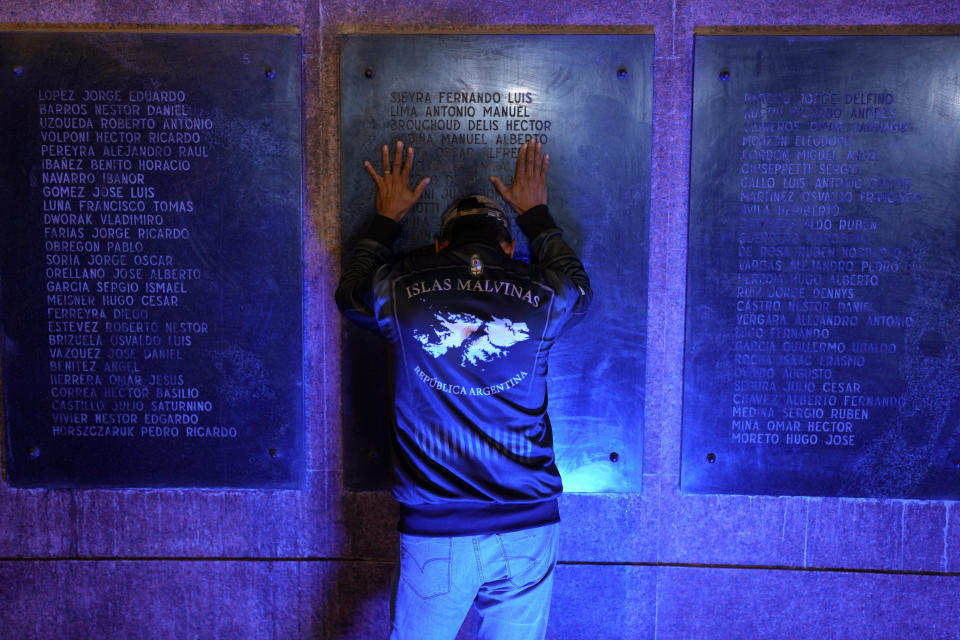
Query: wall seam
{"points": [[903, 533], [673, 38], [946, 538], [783, 528], [388, 561], [656, 582], [656, 606]]}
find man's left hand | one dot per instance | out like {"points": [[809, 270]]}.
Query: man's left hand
{"points": [[395, 199]]}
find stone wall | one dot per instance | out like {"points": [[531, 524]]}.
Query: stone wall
{"points": [[316, 563]]}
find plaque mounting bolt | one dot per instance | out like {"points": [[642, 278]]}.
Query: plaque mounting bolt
{"points": [[711, 458], [269, 72], [622, 73], [368, 73], [17, 70], [614, 457], [34, 452], [724, 75], [274, 453]]}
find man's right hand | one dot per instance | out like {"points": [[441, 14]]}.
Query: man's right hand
{"points": [[529, 186]]}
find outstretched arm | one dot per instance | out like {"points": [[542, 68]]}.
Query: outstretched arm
{"points": [[527, 194], [395, 199]]}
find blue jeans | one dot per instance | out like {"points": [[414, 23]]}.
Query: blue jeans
{"points": [[508, 577]]}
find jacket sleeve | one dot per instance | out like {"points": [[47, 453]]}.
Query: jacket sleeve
{"points": [[354, 293], [550, 251]]}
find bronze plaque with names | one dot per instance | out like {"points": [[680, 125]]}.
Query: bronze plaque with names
{"points": [[151, 262], [466, 103], [823, 281]]}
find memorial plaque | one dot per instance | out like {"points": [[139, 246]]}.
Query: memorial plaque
{"points": [[823, 281], [466, 103], [151, 261]]}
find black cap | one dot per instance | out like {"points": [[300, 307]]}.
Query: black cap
{"points": [[474, 205]]}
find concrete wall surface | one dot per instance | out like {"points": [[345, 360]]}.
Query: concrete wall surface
{"points": [[316, 563]]}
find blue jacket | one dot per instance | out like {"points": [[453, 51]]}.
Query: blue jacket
{"points": [[471, 330]]}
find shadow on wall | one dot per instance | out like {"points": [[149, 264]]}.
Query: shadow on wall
{"points": [[354, 597], [355, 593]]}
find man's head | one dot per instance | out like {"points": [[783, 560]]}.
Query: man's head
{"points": [[479, 217]]}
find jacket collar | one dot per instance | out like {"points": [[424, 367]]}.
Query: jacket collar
{"points": [[482, 240]]}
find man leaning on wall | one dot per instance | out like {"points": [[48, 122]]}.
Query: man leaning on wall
{"points": [[471, 329]]}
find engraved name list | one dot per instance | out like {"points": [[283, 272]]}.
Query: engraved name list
{"points": [[809, 319], [115, 275]]}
